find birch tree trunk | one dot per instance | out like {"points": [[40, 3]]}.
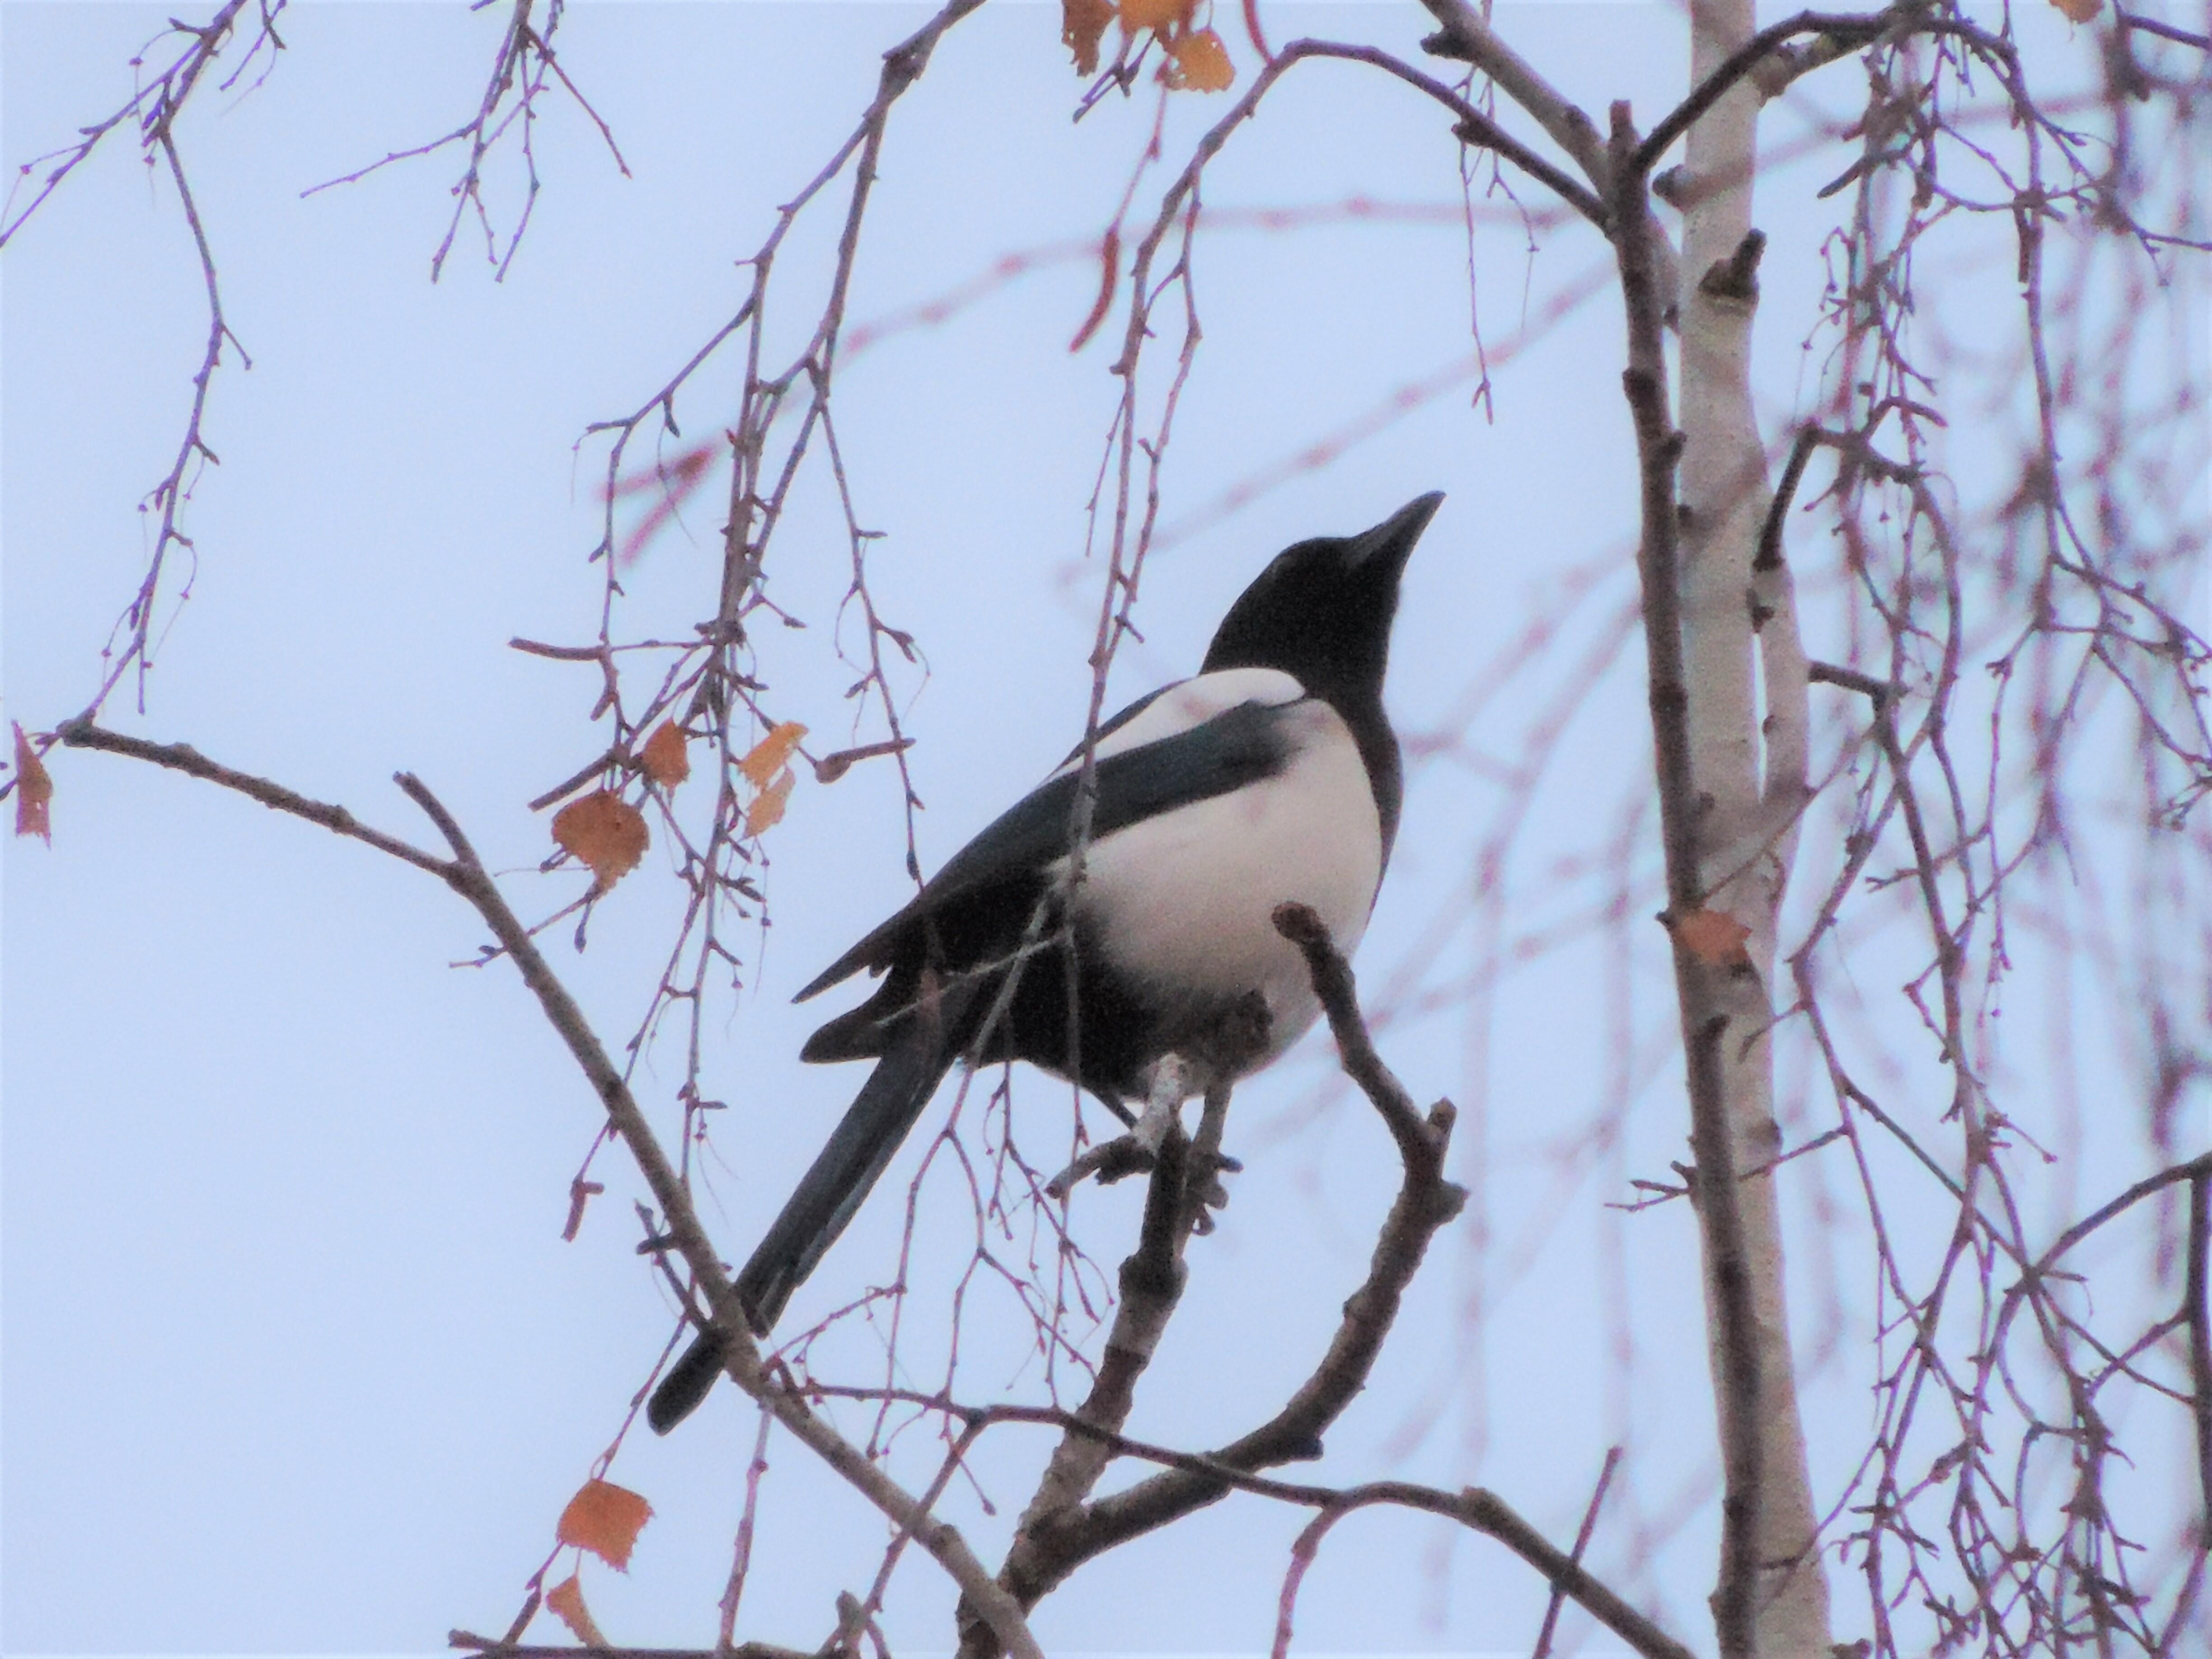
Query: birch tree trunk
{"points": [[1739, 641]]}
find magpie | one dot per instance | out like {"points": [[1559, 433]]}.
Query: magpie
{"points": [[1272, 776]]}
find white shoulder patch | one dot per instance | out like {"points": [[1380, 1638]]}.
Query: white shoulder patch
{"points": [[1193, 703]]}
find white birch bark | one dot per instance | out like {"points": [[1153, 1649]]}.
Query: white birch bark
{"points": [[1745, 829]]}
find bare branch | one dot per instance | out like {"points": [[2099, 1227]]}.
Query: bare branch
{"points": [[468, 878], [1467, 36], [81, 733], [2163, 31], [1044, 1556], [1840, 31], [524, 57], [1473, 128], [1487, 1513], [155, 105], [469, 1642], [1479, 1509], [1419, 1144]]}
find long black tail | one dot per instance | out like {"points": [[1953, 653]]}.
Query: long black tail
{"points": [[874, 1126]]}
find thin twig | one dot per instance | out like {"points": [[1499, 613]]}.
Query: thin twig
{"points": [[2197, 1305], [81, 733], [1847, 29], [1581, 1543], [156, 103], [1468, 36], [1474, 126]]}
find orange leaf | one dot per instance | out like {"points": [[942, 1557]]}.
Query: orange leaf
{"points": [[767, 810], [1155, 13], [1713, 937], [33, 789], [771, 754], [605, 1519], [2079, 11], [606, 832], [1198, 63], [567, 1598], [664, 758], [1082, 26]]}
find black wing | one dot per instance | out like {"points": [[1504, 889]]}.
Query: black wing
{"points": [[1238, 746]]}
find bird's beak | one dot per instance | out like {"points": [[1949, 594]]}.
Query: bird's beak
{"points": [[1385, 549]]}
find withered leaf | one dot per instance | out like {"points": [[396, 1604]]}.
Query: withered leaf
{"points": [[767, 810], [1713, 937], [567, 1598], [605, 1519], [666, 759], [1109, 271], [606, 832], [34, 791], [1198, 63], [1082, 26], [771, 754], [1156, 14]]}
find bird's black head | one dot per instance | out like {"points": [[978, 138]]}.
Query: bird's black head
{"points": [[1321, 610]]}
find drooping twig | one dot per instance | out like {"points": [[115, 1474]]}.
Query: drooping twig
{"points": [[155, 108], [154, 105], [1468, 36], [468, 878], [707, 689], [523, 60]]}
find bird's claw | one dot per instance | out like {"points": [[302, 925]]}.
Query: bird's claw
{"points": [[1130, 1154]]}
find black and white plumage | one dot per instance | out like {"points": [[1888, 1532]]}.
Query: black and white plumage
{"points": [[1271, 776]]}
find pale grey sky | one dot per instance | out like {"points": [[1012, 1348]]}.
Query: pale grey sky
{"points": [[294, 1358]]}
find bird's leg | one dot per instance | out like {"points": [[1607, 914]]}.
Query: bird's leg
{"points": [[1137, 1152], [1226, 1044], [1203, 1190], [1171, 1087], [1235, 1042]]}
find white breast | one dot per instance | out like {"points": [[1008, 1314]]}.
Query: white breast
{"points": [[1184, 901]]}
